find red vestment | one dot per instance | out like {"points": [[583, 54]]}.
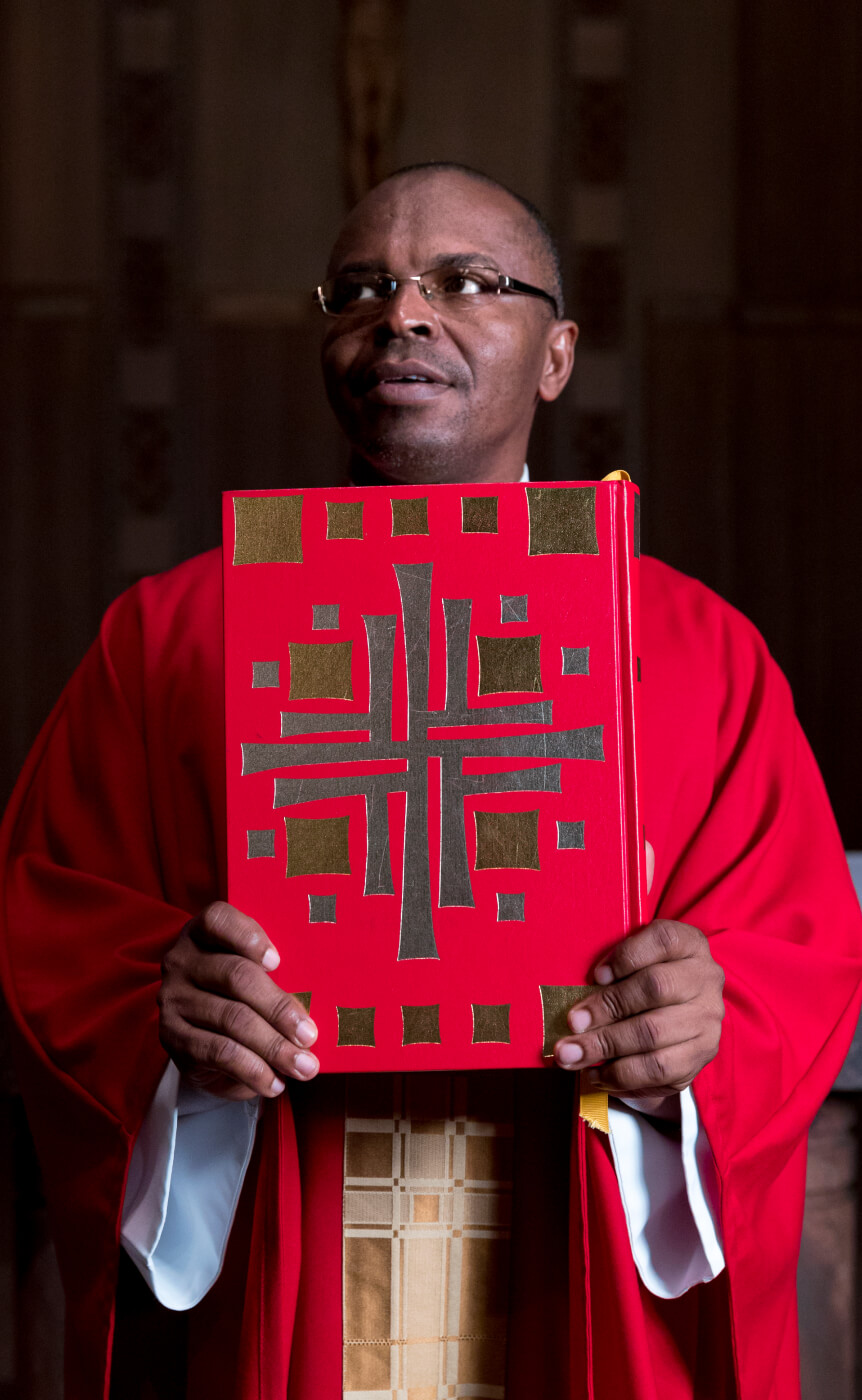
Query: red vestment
{"points": [[116, 835]]}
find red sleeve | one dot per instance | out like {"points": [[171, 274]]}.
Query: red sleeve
{"points": [[752, 856], [90, 904]]}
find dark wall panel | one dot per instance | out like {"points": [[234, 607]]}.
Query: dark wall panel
{"points": [[800, 151], [52, 585]]}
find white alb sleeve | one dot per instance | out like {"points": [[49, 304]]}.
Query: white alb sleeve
{"points": [[193, 1151], [186, 1174], [669, 1189]]}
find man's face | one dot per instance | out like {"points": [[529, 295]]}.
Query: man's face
{"points": [[487, 366]]}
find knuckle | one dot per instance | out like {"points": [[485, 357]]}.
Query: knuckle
{"points": [[649, 1032], [603, 1047], [220, 1054], [668, 936], [611, 1002], [284, 1009], [275, 1049], [240, 978], [172, 960], [169, 1039], [234, 1020], [655, 1065], [625, 961], [216, 917], [657, 984]]}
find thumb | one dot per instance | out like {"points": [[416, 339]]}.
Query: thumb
{"points": [[650, 865]]}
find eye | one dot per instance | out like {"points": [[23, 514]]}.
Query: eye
{"points": [[350, 292], [365, 290], [466, 282]]}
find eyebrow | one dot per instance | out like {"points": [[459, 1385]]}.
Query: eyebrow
{"points": [[442, 260]]}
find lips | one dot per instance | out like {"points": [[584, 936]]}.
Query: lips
{"points": [[404, 382]]}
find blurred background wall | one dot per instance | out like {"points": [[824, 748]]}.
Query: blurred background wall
{"points": [[173, 172]]}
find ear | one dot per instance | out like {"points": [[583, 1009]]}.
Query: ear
{"points": [[559, 359]]}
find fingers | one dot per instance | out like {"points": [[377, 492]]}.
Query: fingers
{"points": [[211, 1036], [221, 926], [656, 1020], [659, 985], [659, 1073], [645, 1034], [221, 1017], [238, 980], [663, 940]]}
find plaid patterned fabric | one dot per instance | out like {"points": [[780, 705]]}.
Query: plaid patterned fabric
{"points": [[427, 1206]]}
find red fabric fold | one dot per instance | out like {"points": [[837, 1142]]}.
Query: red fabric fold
{"points": [[116, 836]]}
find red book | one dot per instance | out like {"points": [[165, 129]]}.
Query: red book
{"points": [[431, 708]]}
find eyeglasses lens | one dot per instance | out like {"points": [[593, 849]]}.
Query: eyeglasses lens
{"points": [[460, 288]]}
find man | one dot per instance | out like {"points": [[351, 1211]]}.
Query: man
{"points": [[445, 331]]}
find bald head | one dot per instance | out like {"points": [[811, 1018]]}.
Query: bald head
{"points": [[430, 387], [535, 230]]}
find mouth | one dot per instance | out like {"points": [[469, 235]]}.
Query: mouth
{"points": [[406, 382]]}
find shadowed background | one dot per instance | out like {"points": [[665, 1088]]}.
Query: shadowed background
{"points": [[173, 172]]}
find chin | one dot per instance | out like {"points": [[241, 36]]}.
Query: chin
{"points": [[421, 463]]}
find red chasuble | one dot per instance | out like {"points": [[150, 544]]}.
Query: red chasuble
{"points": [[116, 836]]}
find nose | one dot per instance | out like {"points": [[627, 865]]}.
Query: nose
{"points": [[406, 313]]}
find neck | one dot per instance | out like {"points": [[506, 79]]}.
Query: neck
{"points": [[364, 473]]}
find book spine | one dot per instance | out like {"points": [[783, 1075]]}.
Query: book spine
{"points": [[625, 545]]}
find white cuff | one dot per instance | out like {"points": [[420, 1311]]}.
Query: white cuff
{"points": [[186, 1174], [669, 1191]]}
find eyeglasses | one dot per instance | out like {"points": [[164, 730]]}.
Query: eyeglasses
{"points": [[457, 289]]}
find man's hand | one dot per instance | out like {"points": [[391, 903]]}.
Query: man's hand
{"points": [[222, 1020], [656, 1020]]}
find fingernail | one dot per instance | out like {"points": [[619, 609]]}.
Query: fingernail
{"points": [[580, 1021], [306, 1033], [569, 1054], [277, 1086], [270, 960], [604, 976], [306, 1065]]}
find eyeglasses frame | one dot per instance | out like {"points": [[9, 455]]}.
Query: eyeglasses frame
{"points": [[505, 284]]}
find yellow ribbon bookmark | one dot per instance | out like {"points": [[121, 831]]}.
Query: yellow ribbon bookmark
{"points": [[594, 1110]]}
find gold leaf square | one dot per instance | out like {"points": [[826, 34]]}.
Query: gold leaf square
{"points": [[355, 1025], [410, 515], [509, 663], [421, 1025], [317, 845], [557, 1002], [268, 529], [320, 671], [479, 515], [304, 997], [507, 840], [491, 1023], [562, 519], [344, 520]]}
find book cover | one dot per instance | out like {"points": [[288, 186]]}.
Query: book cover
{"points": [[431, 715]]}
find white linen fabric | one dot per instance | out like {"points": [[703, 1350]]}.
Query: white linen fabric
{"points": [[193, 1151], [187, 1171]]}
